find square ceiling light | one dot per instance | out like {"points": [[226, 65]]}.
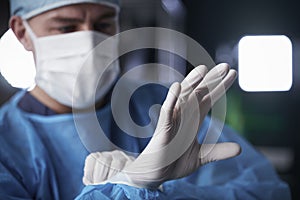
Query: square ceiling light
{"points": [[265, 63]]}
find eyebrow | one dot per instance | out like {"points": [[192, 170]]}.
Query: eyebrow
{"points": [[66, 19], [108, 15]]}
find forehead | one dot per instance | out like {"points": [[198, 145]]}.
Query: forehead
{"points": [[93, 11]]}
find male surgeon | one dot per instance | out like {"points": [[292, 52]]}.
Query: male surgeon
{"points": [[45, 154]]}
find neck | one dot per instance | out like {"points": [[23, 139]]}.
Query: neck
{"points": [[54, 105], [48, 101]]}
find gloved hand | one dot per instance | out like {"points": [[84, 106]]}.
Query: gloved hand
{"points": [[101, 166], [173, 152]]}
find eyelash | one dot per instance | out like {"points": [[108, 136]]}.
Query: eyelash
{"points": [[67, 29], [101, 27]]}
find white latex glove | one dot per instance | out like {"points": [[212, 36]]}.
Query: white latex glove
{"points": [[101, 166], [173, 152]]}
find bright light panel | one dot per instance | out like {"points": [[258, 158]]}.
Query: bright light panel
{"points": [[16, 64], [265, 63]]}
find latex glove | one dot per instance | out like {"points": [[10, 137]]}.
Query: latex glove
{"points": [[174, 152], [101, 166]]}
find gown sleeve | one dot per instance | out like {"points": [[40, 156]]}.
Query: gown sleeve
{"points": [[247, 176], [22, 179], [10, 186]]}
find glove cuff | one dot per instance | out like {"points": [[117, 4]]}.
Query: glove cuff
{"points": [[123, 178]]}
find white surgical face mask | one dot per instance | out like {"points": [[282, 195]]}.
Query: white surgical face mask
{"points": [[73, 68]]}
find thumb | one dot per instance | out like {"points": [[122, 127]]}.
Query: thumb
{"points": [[167, 109], [172, 97], [213, 152]]}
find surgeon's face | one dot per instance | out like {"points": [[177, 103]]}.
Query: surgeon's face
{"points": [[79, 17]]}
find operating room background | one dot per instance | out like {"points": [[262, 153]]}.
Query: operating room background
{"points": [[269, 120]]}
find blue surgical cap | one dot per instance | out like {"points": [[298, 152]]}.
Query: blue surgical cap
{"points": [[30, 8]]}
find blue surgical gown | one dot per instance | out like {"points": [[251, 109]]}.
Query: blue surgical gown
{"points": [[42, 157]]}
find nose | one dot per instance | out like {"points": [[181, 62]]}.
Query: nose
{"points": [[87, 26]]}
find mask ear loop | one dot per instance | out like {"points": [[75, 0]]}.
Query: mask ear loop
{"points": [[33, 38], [30, 32], [117, 23]]}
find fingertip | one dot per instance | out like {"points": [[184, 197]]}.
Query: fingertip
{"points": [[202, 69], [233, 71], [223, 69], [225, 65], [196, 75], [176, 84], [220, 151], [172, 96], [232, 74], [235, 148], [175, 88], [85, 181], [91, 158], [228, 150]]}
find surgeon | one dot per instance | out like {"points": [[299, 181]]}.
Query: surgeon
{"points": [[52, 149]]}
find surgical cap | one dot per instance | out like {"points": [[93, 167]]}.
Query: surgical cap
{"points": [[30, 8]]}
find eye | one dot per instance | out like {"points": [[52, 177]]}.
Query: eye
{"points": [[102, 27], [67, 29]]}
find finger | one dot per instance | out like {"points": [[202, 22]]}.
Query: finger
{"points": [[206, 92], [216, 74], [90, 162], [214, 152], [213, 96], [171, 99], [211, 80], [191, 81], [165, 120], [119, 161], [100, 166]]}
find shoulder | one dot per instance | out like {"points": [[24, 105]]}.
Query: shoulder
{"points": [[19, 146], [21, 151]]}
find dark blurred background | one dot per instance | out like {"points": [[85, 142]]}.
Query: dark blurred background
{"points": [[269, 120]]}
